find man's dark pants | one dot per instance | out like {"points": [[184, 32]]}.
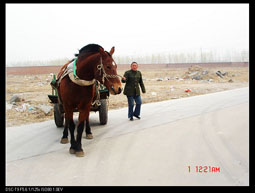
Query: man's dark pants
{"points": [[138, 101]]}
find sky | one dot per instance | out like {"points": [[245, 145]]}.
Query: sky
{"points": [[51, 31]]}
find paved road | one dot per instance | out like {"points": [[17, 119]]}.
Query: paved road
{"points": [[196, 141]]}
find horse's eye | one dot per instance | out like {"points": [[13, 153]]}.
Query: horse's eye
{"points": [[108, 67]]}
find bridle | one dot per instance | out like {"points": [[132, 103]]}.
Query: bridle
{"points": [[101, 70]]}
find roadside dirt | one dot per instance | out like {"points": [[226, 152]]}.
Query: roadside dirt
{"points": [[166, 83]]}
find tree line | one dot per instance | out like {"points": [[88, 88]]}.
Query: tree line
{"points": [[181, 57], [202, 56]]}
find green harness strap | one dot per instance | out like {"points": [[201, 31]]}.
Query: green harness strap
{"points": [[74, 68]]}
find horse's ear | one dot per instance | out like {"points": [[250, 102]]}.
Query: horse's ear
{"points": [[112, 50], [102, 52]]}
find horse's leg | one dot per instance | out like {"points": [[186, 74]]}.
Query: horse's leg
{"points": [[64, 139], [70, 123], [88, 130], [83, 115], [79, 150], [73, 141]]}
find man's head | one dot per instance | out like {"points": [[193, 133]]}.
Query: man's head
{"points": [[134, 66]]}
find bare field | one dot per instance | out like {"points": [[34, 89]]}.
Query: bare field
{"points": [[161, 84]]}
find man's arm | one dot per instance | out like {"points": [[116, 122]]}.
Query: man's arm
{"points": [[141, 84], [124, 78]]}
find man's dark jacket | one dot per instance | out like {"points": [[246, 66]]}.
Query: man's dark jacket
{"points": [[133, 78]]}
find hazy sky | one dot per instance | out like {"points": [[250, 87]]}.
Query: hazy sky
{"points": [[51, 31]]}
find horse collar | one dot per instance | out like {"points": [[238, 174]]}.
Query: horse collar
{"points": [[73, 76], [81, 82]]}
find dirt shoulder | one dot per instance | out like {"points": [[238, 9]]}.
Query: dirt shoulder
{"points": [[166, 83]]}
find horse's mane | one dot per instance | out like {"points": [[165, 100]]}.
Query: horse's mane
{"points": [[90, 49]]}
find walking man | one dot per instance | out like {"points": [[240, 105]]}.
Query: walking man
{"points": [[133, 78]]}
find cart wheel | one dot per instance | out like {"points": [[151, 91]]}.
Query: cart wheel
{"points": [[58, 116], [103, 112]]}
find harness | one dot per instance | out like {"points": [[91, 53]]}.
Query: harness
{"points": [[70, 70]]}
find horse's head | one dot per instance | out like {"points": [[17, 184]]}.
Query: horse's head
{"points": [[106, 72]]}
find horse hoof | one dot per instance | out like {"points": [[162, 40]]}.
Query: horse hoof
{"points": [[72, 151], [89, 136], [64, 140], [79, 154]]}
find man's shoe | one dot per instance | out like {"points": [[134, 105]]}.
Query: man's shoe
{"points": [[131, 119], [137, 117]]}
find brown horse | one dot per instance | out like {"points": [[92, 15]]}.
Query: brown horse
{"points": [[93, 63]]}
